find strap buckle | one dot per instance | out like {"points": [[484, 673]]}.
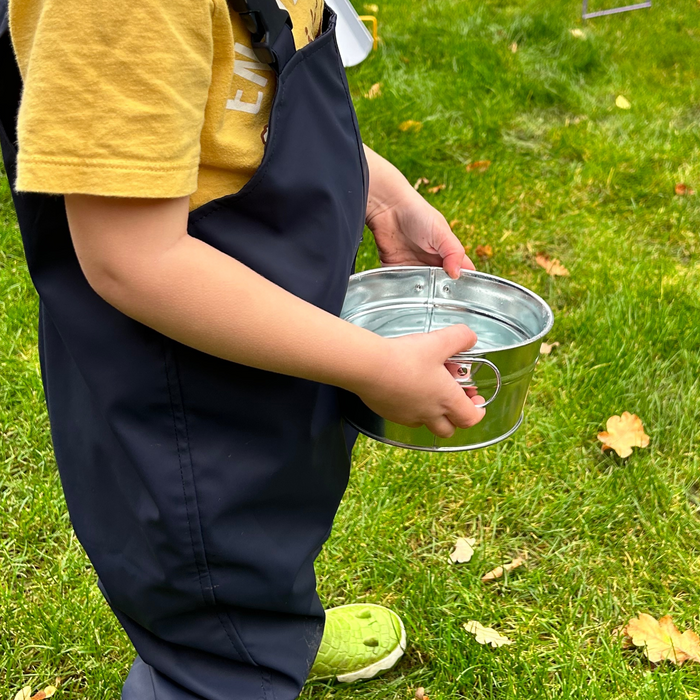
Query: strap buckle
{"points": [[265, 20]]}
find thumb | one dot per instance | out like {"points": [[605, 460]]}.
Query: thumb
{"points": [[454, 339]]}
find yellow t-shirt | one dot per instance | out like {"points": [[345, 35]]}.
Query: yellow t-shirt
{"points": [[155, 98]]}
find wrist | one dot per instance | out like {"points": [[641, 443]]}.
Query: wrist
{"points": [[388, 188], [366, 362]]}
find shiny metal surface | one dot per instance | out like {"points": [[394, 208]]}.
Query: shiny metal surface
{"points": [[509, 320]]}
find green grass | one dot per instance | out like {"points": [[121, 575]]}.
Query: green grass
{"points": [[571, 175]]}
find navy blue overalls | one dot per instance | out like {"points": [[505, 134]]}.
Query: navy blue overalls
{"points": [[203, 490]]}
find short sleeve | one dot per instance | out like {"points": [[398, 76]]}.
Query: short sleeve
{"points": [[114, 95]]}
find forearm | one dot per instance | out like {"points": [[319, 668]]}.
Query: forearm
{"points": [[387, 185], [197, 295]]}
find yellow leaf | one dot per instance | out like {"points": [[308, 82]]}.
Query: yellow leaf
{"points": [[623, 433], [410, 125], [374, 91], [24, 694], [464, 550], [420, 181], [546, 348], [622, 102], [372, 8], [514, 47], [553, 267], [486, 635], [480, 166], [662, 641], [500, 570], [578, 33], [484, 251], [436, 189]]}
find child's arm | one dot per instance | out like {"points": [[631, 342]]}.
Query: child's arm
{"points": [[408, 231], [137, 255]]}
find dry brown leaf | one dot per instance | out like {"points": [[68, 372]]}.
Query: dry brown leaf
{"points": [[484, 251], [464, 550], [623, 433], [486, 635], [480, 166], [546, 348], [410, 125], [436, 189], [500, 570], [514, 47], [374, 91], [662, 641], [45, 693], [454, 223], [681, 189], [420, 181], [24, 694], [553, 267], [420, 694]]}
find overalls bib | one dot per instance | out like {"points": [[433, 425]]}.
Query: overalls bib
{"points": [[203, 490]]}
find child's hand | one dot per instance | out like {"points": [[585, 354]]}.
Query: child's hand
{"points": [[415, 388], [408, 230]]}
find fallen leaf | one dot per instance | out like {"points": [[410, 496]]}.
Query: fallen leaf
{"points": [[374, 91], [623, 433], [546, 348], [578, 33], [484, 251], [662, 641], [514, 47], [420, 694], [553, 267], [500, 570], [479, 165], [682, 189], [454, 223], [24, 694], [420, 181], [464, 550], [45, 693], [410, 125], [372, 8], [436, 189], [486, 635], [622, 102]]}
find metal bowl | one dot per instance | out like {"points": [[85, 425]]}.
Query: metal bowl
{"points": [[510, 322]]}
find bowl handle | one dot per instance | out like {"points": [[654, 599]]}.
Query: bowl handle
{"points": [[464, 378]]}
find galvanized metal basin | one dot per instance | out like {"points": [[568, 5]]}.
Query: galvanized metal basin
{"points": [[510, 322]]}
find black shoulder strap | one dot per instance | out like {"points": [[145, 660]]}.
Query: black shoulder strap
{"points": [[3, 16], [270, 27]]}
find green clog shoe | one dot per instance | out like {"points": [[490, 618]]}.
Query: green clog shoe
{"points": [[359, 642]]}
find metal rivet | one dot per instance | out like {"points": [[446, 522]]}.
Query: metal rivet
{"points": [[419, 287], [446, 289]]}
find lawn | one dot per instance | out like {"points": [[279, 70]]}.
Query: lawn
{"points": [[574, 176]]}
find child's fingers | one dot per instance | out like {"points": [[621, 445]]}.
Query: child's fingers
{"points": [[442, 427]]}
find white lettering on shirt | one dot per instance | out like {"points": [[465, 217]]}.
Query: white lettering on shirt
{"points": [[244, 69]]}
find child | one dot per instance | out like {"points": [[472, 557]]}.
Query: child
{"points": [[191, 189]]}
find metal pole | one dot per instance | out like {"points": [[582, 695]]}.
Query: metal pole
{"points": [[585, 14]]}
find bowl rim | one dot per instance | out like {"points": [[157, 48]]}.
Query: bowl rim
{"points": [[549, 315]]}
